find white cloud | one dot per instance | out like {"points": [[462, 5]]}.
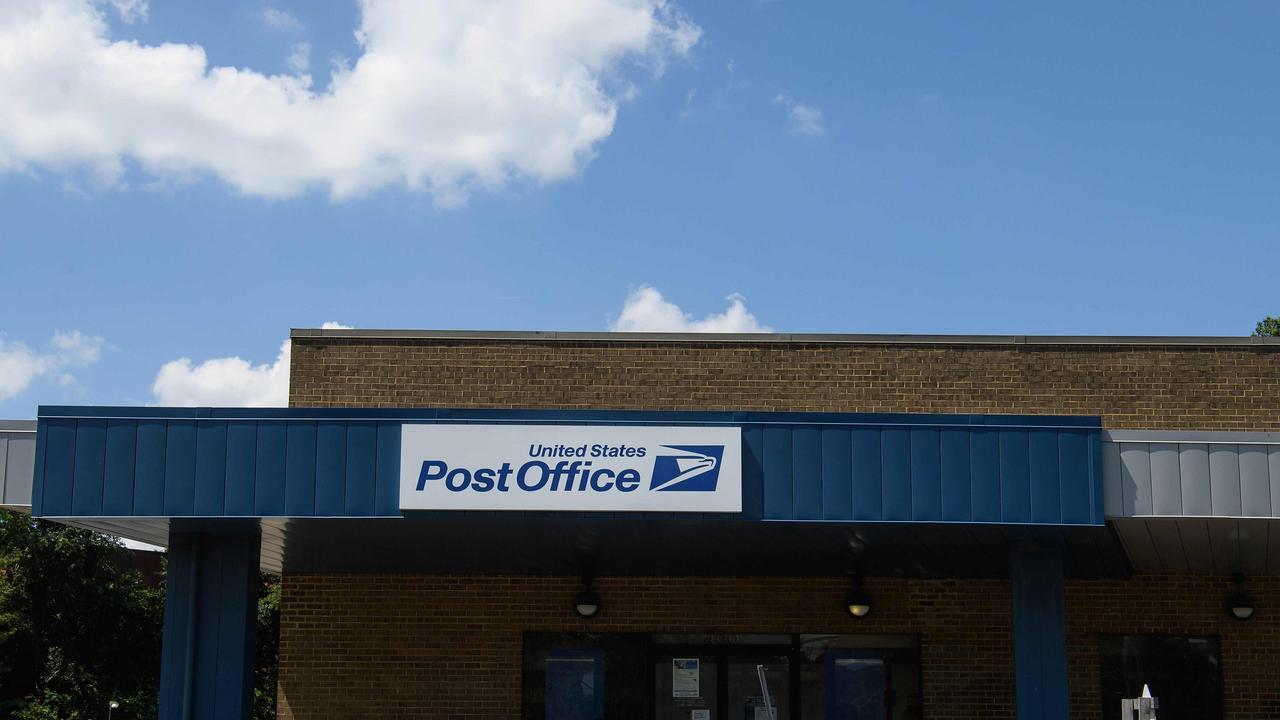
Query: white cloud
{"points": [[299, 59], [20, 365], [645, 310], [280, 19], [75, 349], [447, 97], [226, 382], [131, 11], [802, 119]]}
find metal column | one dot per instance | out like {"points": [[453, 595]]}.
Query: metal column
{"points": [[1039, 633], [210, 626]]}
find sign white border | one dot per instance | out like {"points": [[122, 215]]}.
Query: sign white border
{"points": [[491, 447]]}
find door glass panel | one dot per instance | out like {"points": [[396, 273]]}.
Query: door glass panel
{"points": [[860, 677], [687, 687], [575, 685], [746, 696], [855, 684]]}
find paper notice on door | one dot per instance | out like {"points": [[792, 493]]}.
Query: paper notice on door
{"points": [[762, 713], [685, 678], [703, 714]]}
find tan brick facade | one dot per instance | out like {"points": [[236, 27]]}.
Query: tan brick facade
{"points": [[449, 647], [1178, 605], [416, 646], [1130, 386], [410, 646]]}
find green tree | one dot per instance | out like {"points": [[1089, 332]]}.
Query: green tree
{"points": [[1268, 327], [79, 626], [264, 691]]}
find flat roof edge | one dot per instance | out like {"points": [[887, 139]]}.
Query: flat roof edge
{"points": [[17, 425], [825, 338]]}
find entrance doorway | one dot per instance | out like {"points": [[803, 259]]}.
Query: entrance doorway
{"points": [[710, 677]]}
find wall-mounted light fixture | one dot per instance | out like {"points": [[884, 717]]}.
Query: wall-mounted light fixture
{"points": [[1240, 603], [587, 601], [857, 602]]}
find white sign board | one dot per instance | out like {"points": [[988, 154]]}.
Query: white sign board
{"points": [[686, 678], [570, 467]]}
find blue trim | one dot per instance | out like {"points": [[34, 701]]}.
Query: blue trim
{"points": [[59, 469], [777, 474], [180, 468], [837, 469], [300, 477], [90, 467], [926, 474], [895, 473], [753, 471], [1039, 633], [211, 467], [868, 490], [210, 626], [966, 469], [268, 494], [118, 476], [242, 463], [806, 473], [956, 469], [331, 464], [148, 481]]}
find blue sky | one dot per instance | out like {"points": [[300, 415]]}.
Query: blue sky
{"points": [[1085, 168]]}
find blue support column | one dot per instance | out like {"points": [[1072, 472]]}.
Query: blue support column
{"points": [[210, 626], [1039, 633]]}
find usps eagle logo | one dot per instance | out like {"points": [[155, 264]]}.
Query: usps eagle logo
{"points": [[688, 468]]}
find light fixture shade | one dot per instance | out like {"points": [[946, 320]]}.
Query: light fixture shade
{"points": [[587, 603], [1240, 605], [857, 602]]}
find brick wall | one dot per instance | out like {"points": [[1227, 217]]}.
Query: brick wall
{"points": [[1130, 386], [416, 646], [1178, 605], [430, 646]]}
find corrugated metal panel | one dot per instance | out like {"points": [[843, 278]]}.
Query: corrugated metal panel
{"points": [[1228, 475], [1214, 500], [291, 464], [4, 461], [17, 466]]}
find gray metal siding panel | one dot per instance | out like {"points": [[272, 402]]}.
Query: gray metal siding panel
{"points": [[1255, 485], [1224, 480], [20, 468], [1135, 460], [1273, 462], [4, 460], [1112, 480], [1193, 461], [1166, 480]]}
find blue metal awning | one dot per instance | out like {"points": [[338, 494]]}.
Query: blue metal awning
{"points": [[211, 462], [939, 495]]}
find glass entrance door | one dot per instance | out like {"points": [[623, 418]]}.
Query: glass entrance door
{"points": [[724, 681], [748, 692], [633, 676]]}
